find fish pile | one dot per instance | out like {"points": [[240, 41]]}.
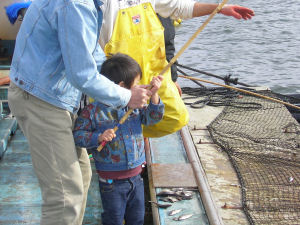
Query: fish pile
{"points": [[174, 195]]}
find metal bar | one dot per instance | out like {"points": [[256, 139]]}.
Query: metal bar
{"points": [[201, 180], [4, 67], [155, 213]]}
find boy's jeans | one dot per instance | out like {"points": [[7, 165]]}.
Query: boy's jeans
{"points": [[123, 199]]}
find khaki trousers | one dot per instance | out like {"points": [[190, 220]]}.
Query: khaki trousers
{"points": [[63, 171]]}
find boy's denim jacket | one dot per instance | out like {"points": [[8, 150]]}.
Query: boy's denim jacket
{"points": [[126, 150], [56, 55]]}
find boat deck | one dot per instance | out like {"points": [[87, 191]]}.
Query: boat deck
{"points": [[170, 168], [20, 197]]}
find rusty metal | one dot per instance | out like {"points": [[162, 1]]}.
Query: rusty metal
{"points": [[226, 206], [204, 142], [173, 175], [202, 182], [201, 128]]}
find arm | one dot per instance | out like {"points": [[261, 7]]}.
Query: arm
{"points": [[153, 113], [85, 134], [155, 85], [238, 12], [77, 33], [155, 110], [187, 9]]}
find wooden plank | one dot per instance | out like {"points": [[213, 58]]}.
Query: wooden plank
{"points": [[173, 175], [20, 196], [7, 127]]}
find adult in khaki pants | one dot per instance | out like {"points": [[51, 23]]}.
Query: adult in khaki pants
{"points": [[55, 60]]}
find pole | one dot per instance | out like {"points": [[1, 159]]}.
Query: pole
{"points": [[241, 90]]}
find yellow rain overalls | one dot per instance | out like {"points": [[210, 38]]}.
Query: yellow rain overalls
{"points": [[139, 34]]}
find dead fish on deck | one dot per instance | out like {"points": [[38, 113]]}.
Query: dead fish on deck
{"points": [[184, 189], [180, 198], [174, 212], [166, 192], [184, 195], [169, 199], [164, 206], [183, 217], [177, 189]]}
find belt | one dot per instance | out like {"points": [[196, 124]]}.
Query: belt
{"points": [[108, 181]]}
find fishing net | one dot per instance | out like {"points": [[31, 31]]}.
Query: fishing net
{"points": [[262, 140]]}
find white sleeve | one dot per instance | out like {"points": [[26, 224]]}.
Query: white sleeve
{"points": [[175, 8]]}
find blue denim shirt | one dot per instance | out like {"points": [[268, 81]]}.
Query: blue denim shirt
{"points": [[57, 54], [126, 150]]}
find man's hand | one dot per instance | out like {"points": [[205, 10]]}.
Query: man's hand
{"points": [[139, 96], [237, 12], [178, 88]]}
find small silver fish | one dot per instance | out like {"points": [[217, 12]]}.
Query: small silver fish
{"points": [[184, 193], [186, 197], [174, 212], [164, 206], [177, 189], [164, 199], [172, 199], [183, 217], [166, 193], [169, 199]]}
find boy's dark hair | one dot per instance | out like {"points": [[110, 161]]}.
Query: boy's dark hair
{"points": [[121, 67]]}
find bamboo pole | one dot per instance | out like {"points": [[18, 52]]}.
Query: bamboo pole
{"points": [[241, 90], [186, 45]]}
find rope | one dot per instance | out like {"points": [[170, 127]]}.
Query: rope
{"points": [[227, 78], [242, 90], [216, 97]]}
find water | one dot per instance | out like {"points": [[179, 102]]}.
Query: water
{"points": [[263, 51]]}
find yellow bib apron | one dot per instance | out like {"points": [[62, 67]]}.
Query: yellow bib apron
{"points": [[139, 34]]}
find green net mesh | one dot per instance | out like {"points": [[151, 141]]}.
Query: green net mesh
{"points": [[262, 140]]}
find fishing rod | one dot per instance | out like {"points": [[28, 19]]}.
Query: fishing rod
{"points": [[227, 79], [241, 90], [172, 61]]}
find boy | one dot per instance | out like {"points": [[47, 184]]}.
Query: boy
{"points": [[119, 164]]}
